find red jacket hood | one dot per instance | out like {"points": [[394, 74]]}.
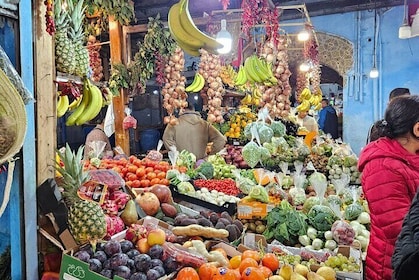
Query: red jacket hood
{"points": [[387, 148]]}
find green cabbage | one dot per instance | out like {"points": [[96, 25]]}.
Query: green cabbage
{"points": [[309, 203], [353, 211], [251, 154], [185, 187], [321, 217]]}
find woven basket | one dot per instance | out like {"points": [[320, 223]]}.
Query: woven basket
{"points": [[12, 108]]}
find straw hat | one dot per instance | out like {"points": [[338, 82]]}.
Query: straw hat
{"points": [[13, 121]]}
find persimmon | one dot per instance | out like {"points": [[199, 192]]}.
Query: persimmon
{"points": [[252, 273], [132, 168], [149, 169], [136, 184], [207, 271], [154, 181], [131, 177], [161, 175], [266, 271], [251, 254], [248, 262], [271, 261], [151, 175], [187, 273]]}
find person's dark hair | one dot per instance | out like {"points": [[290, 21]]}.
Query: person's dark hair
{"points": [[400, 117], [326, 100], [100, 117], [398, 92], [191, 106]]}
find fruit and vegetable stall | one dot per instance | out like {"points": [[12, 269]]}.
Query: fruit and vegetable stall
{"points": [[278, 202]]}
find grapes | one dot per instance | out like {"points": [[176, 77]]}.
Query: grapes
{"points": [[342, 263]]}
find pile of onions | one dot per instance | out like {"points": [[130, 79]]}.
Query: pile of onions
{"points": [[93, 47], [234, 156], [277, 98], [209, 68], [315, 78], [174, 95]]}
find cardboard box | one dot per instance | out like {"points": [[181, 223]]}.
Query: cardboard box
{"points": [[253, 209]]}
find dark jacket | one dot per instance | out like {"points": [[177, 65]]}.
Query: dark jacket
{"points": [[328, 121], [406, 253], [390, 178]]}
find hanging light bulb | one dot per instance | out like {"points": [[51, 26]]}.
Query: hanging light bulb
{"points": [[304, 67], [303, 35], [405, 31], [224, 37], [374, 73]]}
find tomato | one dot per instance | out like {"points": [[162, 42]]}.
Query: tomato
{"points": [[251, 254], [149, 163], [128, 184], [132, 168], [154, 181], [122, 161], [117, 169], [151, 175], [145, 183], [132, 158], [140, 172], [252, 273], [207, 271], [164, 182], [248, 262], [124, 170], [131, 176], [136, 183], [149, 169], [161, 175], [138, 163], [271, 261], [187, 273]]}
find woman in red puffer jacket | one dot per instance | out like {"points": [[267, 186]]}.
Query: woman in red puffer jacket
{"points": [[390, 179]]}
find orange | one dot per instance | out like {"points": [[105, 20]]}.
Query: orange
{"points": [[235, 261], [248, 262], [252, 273], [271, 261], [251, 254], [237, 274], [207, 271], [266, 271], [187, 273], [224, 273]]}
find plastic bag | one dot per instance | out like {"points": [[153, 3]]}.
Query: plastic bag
{"points": [[96, 152], [342, 231], [155, 155], [319, 183], [129, 121], [353, 210], [173, 155], [297, 192], [14, 77], [341, 184], [243, 183]]}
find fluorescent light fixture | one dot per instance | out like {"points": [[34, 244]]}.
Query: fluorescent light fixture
{"points": [[374, 73], [224, 37], [303, 35]]}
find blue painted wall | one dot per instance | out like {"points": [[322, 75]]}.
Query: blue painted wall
{"points": [[365, 99]]}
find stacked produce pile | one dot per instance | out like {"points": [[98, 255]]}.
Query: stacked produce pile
{"points": [[93, 46], [210, 68], [174, 95]]}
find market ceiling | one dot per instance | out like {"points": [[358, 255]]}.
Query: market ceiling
{"points": [[150, 8]]}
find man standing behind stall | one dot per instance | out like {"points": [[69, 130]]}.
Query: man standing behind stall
{"points": [[328, 119], [193, 134]]}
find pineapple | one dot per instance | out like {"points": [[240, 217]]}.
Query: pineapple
{"points": [[86, 219], [78, 37], [64, 50]]}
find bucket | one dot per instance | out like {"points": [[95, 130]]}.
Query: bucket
{"points": [[149, 138]]}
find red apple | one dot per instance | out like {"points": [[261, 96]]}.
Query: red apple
{"points": [[156, 237]]}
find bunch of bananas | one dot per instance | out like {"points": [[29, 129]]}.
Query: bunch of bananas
{"points": [[63, 104], [186, 34], [241, 77], [238, 122], [254, 97], [228, 75], [89, 105], [259, 71], [308, 99], [197, 83]]}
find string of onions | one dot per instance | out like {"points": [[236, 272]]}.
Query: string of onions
{"points": [[209, 68], [302, 82], [277, 98], [174, 95]]}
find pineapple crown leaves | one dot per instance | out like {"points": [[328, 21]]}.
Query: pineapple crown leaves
{"points": [[61, 17], [73, 174], [77, 16]]}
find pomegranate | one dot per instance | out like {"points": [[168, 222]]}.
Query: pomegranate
{"points": [[163, 193], [149, 202]]}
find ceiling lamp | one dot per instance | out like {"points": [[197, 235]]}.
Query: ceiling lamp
{"points": [[304, 67], [224, 37], [303, 35], [415, 24], [404, 30]]}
